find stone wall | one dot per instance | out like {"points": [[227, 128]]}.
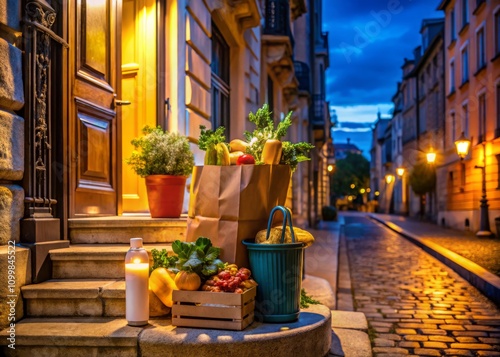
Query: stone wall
{"points": [[11, 165]]}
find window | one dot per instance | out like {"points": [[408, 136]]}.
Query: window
{"points": [[270, 93], [453, 128], [453, 35], [220, 80], [452, 76], [482, 117], [498, 170], [465, 12], [497, 33], [465, 119], [422, 86], [465, 64], [480, 48], [497, 130]]}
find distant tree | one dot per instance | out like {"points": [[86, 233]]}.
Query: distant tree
{"points": [[354, 169], [423, 178]]}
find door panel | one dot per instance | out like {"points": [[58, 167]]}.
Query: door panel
{"points": [[139, 87], [93, 121]]}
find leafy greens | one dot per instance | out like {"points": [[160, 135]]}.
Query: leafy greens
{"points": [[199, 257]]}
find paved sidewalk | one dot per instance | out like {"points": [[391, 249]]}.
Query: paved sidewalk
{"points": [[433, 239], [415, 305], [484, 252]]}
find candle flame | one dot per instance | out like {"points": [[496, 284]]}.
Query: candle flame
{"points": [[137, 261]]}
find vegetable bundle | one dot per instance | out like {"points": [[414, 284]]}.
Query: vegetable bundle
{"points": [[263, 145]]}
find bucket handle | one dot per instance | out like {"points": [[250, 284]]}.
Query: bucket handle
{"points": [[287, 217]]}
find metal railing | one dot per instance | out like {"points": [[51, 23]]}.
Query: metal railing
{"points": [[277, 19]]}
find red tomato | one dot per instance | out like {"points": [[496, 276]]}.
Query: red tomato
{"points": [[245, 159]]}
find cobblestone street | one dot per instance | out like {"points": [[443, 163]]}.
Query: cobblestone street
{"points": [[415, 305]]}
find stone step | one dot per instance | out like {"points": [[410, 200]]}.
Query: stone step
{"points": [[119, 229], [93, 261], [75, 298], [311, 335]]}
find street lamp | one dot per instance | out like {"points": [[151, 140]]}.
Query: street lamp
{"points": [[389, 178], [463, 144], [431, 156], [400, 171]]}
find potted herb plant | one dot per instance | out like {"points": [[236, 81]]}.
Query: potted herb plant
{"points": [[165, 160]]}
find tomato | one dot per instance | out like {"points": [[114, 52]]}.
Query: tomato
{"points": [[245, 159]]}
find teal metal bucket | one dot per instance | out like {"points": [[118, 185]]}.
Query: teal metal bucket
{"points": [[277, 268]]}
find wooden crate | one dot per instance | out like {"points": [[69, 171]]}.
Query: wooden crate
{"points": [[205, 309]]}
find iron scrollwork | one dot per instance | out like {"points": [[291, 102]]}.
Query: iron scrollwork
{"points": [[39, 18]]}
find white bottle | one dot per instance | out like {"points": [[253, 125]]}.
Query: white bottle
{"points": [[137, 284]]}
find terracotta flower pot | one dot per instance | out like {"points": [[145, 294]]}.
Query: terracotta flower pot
{"points": [[165, 195]]}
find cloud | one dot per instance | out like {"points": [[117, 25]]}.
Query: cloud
{"points": [[369, 40]]}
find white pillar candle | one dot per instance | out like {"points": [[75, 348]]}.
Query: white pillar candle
{"points": [[136, 284]]}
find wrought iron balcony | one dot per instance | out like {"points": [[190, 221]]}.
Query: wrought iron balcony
{"points": [[277, 19], [319, 110], [303, 75]]}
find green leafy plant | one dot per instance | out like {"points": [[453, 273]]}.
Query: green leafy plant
{"points": [[265, 129], [306, 300], [162, 259], [200, 257], [209, 138], [423, 178], [160, 152]]}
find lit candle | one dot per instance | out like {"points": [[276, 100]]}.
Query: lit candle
{"points": [[136, 284]]}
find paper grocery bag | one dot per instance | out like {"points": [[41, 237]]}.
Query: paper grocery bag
{"points": [[231, 203]]}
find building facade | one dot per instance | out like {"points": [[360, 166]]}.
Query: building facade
{"points": [[472, 42], [81, 79]]}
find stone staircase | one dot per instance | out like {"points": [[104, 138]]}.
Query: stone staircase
{"points": [[80, 311], [88, 281]]}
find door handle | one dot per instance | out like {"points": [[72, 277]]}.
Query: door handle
{"points": [[122, 102]]}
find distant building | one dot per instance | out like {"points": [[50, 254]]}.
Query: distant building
{"points": [[377, 171], [342, 149], [428, 122], [472, 60], [400, 191]]}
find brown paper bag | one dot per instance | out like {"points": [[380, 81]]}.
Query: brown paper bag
{"points": [[230, 203]]}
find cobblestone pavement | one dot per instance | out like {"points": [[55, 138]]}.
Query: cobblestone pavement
{"points": [[415, 305], [482, 251]]}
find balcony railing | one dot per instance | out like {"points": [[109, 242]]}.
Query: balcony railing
{"points": [[303, 75], [277, 19], [319, 109]]}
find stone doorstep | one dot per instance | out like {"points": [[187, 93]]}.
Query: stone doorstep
{"points": [[119, 229], [93, 261], [311, 335], [75, 298]]}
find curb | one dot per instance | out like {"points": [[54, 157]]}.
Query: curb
{"points": [[486, 282]]}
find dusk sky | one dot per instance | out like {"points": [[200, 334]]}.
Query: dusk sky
{"points": [[369, 40]]}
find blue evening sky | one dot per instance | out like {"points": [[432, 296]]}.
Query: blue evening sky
{"points": [[369, 40]]}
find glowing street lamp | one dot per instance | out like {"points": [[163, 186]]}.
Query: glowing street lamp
{"points": [[431, 156], [353, 185], [389, 178], [463, 145], [400, 171]]}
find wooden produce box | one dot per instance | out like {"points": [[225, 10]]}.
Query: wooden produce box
{"points": [[205, 309]]}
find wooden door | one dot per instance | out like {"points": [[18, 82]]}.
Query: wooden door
{"points": [[94, 155], [139, 87]]}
